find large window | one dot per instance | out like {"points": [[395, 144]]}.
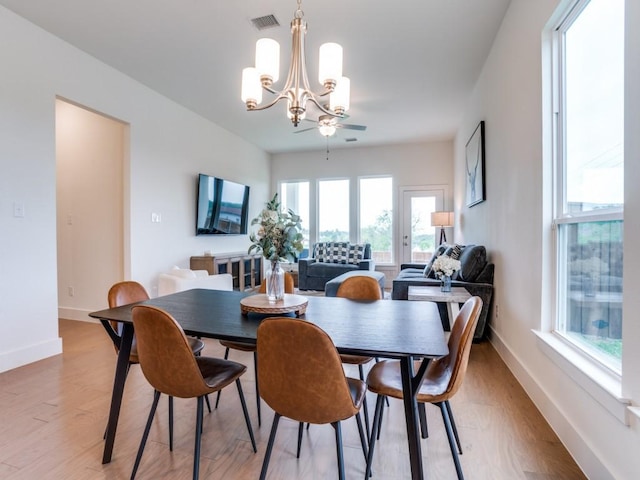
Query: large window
{"points": [[295, 196], [590, 174], [376, 215], [333, 210]]}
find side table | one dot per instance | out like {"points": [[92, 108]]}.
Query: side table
{"points": [[454, 298]]}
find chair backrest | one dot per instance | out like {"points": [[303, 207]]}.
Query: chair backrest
{"points": [[124, 293], [288, 284], [452, 368], [300, 372], [165, 355], [360, 287]]}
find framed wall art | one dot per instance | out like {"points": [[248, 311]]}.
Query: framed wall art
{"points": [[474, 164]]}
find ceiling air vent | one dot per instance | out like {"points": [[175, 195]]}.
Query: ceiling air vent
{"points": [[268, 21], [351, 139]]}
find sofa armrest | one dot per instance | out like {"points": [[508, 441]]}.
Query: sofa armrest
{"points": [[367, 265], [404, 266], [303, 263]]}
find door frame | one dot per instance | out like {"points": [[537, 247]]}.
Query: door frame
{"points": [[407, 192]]}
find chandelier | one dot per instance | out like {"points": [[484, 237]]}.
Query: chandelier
{"points": [[296, 90]]}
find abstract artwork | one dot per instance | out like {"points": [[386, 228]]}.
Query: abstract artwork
{"points": [[474, 164]]}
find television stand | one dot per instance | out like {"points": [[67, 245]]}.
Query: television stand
{"points": [[245, 268]]}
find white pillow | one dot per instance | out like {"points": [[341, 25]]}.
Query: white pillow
{"points": [[182, 272]]}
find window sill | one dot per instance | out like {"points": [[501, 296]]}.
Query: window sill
{"points": [[599, 383]]}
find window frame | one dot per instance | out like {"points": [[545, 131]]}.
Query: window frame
{"points": [[560, 216]]}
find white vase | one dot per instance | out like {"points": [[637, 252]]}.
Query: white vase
{"points": [[274, 277]]}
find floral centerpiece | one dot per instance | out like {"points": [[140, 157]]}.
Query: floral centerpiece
{"points": [[444, 266], [278, 239]]}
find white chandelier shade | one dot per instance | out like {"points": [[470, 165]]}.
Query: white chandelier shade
{"points": [[296, 90]]}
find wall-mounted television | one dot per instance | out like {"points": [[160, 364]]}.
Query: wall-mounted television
{"points": [[223, 207]]}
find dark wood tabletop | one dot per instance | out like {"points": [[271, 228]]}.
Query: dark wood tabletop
{"points": [[390, 328]]}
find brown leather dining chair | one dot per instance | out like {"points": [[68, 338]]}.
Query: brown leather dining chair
{"points": [[359, 287], [442, 379], [246, 347], [125, 293], [301, 378], [169, 365]]}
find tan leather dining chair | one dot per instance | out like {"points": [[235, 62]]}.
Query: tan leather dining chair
{"points": [[247, 347], [125, 293], [442, 379], [359, 287], [301, 378], [170, 366]]}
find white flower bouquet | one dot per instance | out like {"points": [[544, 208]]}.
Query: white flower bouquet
{"points": [[445, 266]]}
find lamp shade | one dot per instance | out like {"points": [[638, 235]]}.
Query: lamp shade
{"points": [[442, 219], [339, 98], [330, 68], [251, 87], [268, 58], [327, 130]]}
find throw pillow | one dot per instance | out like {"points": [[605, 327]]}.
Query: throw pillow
{"points": [[331, 252], [456, 251], [427, 272], [473, 261], [356, 253], [182, 272]]}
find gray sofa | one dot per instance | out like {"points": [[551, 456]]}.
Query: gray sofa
{"points": [[475, 275], [330, 259]]}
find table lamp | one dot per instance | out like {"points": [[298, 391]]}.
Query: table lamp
{"points": [[442, 220]]}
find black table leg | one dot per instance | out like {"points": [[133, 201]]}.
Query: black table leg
{"points": [[118, 388], [411, 417]]}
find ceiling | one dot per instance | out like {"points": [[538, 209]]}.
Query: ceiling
{"points": [[412, 63]]}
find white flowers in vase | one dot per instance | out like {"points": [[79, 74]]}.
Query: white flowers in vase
{"points": [[445, 266]]}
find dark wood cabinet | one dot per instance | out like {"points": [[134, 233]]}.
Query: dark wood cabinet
{"points": [[246, 269]]}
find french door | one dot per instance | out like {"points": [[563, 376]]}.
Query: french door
{"points": [[418, 236]]}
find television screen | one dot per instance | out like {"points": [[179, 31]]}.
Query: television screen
{"points": [[222, 206]]}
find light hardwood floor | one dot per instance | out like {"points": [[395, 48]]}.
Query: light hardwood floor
{"points": [[53, 414]]}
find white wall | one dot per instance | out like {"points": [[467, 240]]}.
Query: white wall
{"points": [[512, 223], [168, 146], [417, 164]]}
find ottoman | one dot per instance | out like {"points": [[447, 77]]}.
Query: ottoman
{"points": [[331, 287]]}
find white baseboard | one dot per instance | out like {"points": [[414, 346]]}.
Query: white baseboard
{"points": [[29, 354], [76, 314]]}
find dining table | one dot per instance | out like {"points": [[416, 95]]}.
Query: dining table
{"points": [[394, 329]]}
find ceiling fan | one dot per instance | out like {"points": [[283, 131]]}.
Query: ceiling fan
{"points": [[328, 124]]}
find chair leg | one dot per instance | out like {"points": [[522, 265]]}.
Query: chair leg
{"points": [[246, 415], [380, 420], [267, 453], [452, 445], [170, 423], [422, 413], [377, 418], [255, 370], [226, 356], [338, 429], [147, 428], [196, 448], [453, 424], [300, 430], [363, 438], [206, 399], [364, 402]]}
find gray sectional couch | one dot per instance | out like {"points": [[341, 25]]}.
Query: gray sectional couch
{"points": [[329, 260], [475, 275]]}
